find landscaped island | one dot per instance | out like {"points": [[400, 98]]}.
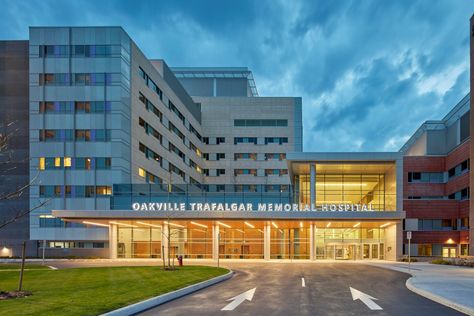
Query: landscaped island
{"points": [[89, 291]]}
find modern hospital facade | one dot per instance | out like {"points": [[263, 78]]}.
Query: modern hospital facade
{"points": [[125, 152]]}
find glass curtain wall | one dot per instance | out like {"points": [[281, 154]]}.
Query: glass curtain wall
{"points": [[241, 241], [138, 242], [288, 242], [343, 184], [349, 243]]}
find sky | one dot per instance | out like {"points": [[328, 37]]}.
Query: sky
{"points": [[369, 72]]}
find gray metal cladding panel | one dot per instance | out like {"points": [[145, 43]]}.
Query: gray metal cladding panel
{"points": [[174, 84], [231, 87], [201, 87], [465, 126]]}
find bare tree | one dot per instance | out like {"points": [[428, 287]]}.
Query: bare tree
{"points": [[7, 165]]}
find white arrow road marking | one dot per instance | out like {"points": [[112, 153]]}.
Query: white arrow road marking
{"points": [[365, 298], [52, 268], [303, 284], [237, 300]]}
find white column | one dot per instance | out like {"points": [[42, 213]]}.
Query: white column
{"points": [[311, 241], [312, 183], [215, 241], [113, 241], [266, 241], [164, 240]]}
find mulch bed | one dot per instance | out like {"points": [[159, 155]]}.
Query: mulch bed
{"points": [[13, 294]]}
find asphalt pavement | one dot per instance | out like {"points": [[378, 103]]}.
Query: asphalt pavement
{"points": [[306, 289]]}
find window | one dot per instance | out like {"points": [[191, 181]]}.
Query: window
{"points": [[275, 156], [220, 140], [150, 154], [141, 172], [103, 163], [54, 51], [220, 156], [220, 172], [239, 156], [176, 150], [58, 79], [262, 123], [252, 172], [205, 140], [103, 190], [150, 83], [56, 107], [465, 194], [276, 140], [195, 132], [67, 162], [175, 110], [426, 177], [176, 170], [205, 156], [175, 130], [42, 164], [150, 130], [83, 135], [425, 250], [245, 140]]}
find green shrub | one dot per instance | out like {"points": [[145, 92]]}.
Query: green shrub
{"points": [[441, 261]]}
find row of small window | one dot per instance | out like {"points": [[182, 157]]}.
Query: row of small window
{"points": [[150, 83], [253, 140], [460, 195], [77, 163], [253, 172], [76, 244], [253, 156], [74, 191], [247, 156], [151, 107], [438, 177], [84, 135], [149, 177], [59, 107], [431, 250], [426, 177], [263, 123], [151, 131], [78, 79], [459, 169], [254, 188], [442, 224], [150, 154], [79, 50]]}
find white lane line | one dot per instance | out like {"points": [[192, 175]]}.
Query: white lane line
{"points": [[52, 268], [303, 284]]}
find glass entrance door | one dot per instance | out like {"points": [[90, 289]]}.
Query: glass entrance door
{"points": [[372, 251], [345, 252]]}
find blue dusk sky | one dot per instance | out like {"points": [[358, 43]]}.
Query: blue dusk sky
{"points": [[369, 72]]}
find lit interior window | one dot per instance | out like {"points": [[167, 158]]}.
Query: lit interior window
{"points": [[141, 172], [67, 162], [57, 162], [42, 163]]}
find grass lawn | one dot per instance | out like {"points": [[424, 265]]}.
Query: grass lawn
{"points": [[17, 266], [92, 291]]}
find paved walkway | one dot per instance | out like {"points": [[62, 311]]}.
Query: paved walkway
{"points": [[452, 286]]}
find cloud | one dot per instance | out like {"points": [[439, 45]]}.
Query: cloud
{"points": [[369, 72]]}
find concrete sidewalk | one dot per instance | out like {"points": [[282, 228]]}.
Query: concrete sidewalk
{"points": [[451, 286]]}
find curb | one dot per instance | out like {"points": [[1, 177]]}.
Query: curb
{"points": [[438, 299], [164, 298]]}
